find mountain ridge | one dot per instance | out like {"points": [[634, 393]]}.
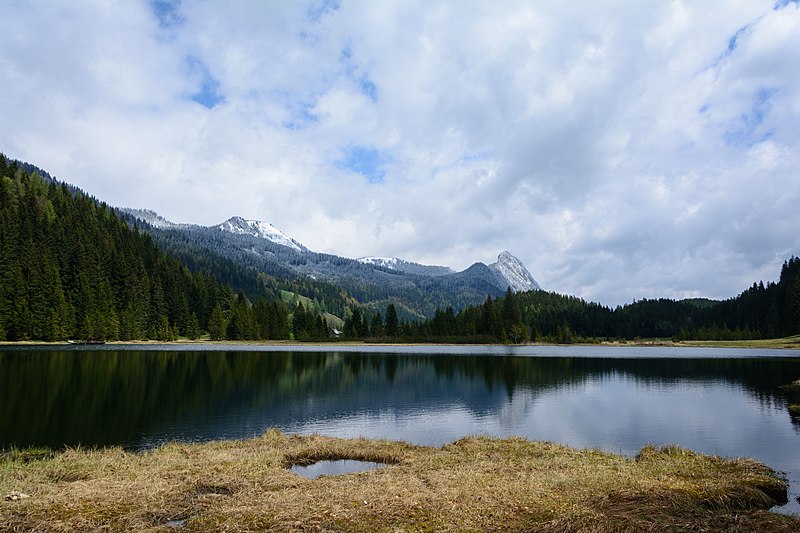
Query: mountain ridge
{"points": [[422, 288]]}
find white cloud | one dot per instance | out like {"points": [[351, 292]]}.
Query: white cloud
{"points": [[622, 151]]}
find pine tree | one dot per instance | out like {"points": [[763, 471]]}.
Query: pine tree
{"points": [[376, 327], [354, 325], [216, 324], [193, 327], [391, 321], [279, 321], [300, 323], [512, 319]]}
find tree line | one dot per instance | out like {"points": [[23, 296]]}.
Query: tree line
{"points": [[760, 312]]}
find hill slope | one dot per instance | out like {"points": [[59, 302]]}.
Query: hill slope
{"points": [[70, 269]]}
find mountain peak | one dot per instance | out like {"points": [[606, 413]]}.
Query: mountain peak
{"points": [[259, 229], [515, 273]]}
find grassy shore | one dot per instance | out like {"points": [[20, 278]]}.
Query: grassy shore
{"points": [[790, 343], [474, 484]]}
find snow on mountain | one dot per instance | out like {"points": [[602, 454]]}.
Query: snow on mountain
{"points": [[408, 267], [263, 230], [515, 273], [152, 218], [386, 262], [508, 271]]}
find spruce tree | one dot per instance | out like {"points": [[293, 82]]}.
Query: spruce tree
{"points": [[391, 321], [216, 324]]}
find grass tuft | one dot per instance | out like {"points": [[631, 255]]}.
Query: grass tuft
{"points": [[474, 484]]}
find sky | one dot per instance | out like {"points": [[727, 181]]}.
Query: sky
{"points": [[622, 150]]}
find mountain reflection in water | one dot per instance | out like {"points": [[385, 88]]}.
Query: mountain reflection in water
{"points": [[140, 399]]}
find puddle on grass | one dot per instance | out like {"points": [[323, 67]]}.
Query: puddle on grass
{"points": [[334, 468], [179, 523]]}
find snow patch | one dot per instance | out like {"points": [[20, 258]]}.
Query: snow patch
{"points": [[409, 267], [386, 262], [152, 218]]}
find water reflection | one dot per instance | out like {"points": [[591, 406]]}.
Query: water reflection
{"points": [[139, 399]]}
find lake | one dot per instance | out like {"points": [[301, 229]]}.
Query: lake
{"points": [[721, 401]]}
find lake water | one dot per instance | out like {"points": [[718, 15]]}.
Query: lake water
{"points": [[720, 401]]}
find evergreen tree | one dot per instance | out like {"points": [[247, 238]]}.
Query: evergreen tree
{"points": [[512, 319], [391, 321], [193, 327], [376, 327], [216, 324]]}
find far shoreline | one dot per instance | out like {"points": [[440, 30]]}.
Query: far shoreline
{"points": [[785, 343]]}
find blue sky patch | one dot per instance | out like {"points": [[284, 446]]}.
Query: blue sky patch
{"points": [[783, 3], [369, 162], [208, 94], [369, 89], [365, 85], [747, 130], [167, 12], [319, 10], [733, 42], [302, 115]]}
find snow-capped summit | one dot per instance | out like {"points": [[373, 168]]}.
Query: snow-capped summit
{"points": [[263, 230], [515, 273]]}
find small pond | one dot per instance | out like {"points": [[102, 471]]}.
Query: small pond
{"points": [[334, 468]]}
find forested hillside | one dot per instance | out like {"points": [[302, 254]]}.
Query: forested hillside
{"points": [[759, 312], [69, 268], [196, 250]]}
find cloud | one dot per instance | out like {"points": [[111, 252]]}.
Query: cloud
{"points": [[645, 149]]}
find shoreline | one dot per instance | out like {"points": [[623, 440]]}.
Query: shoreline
{"points": [[475, 483], [786, 343]]}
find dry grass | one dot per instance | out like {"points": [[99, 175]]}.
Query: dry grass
{"points": [[475, 484], [788, 343]]}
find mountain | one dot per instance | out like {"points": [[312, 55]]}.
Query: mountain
{"points": [[234, 225], [514, 272], [261, 230], [418, 290], [151, 217], [409, 267]]}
